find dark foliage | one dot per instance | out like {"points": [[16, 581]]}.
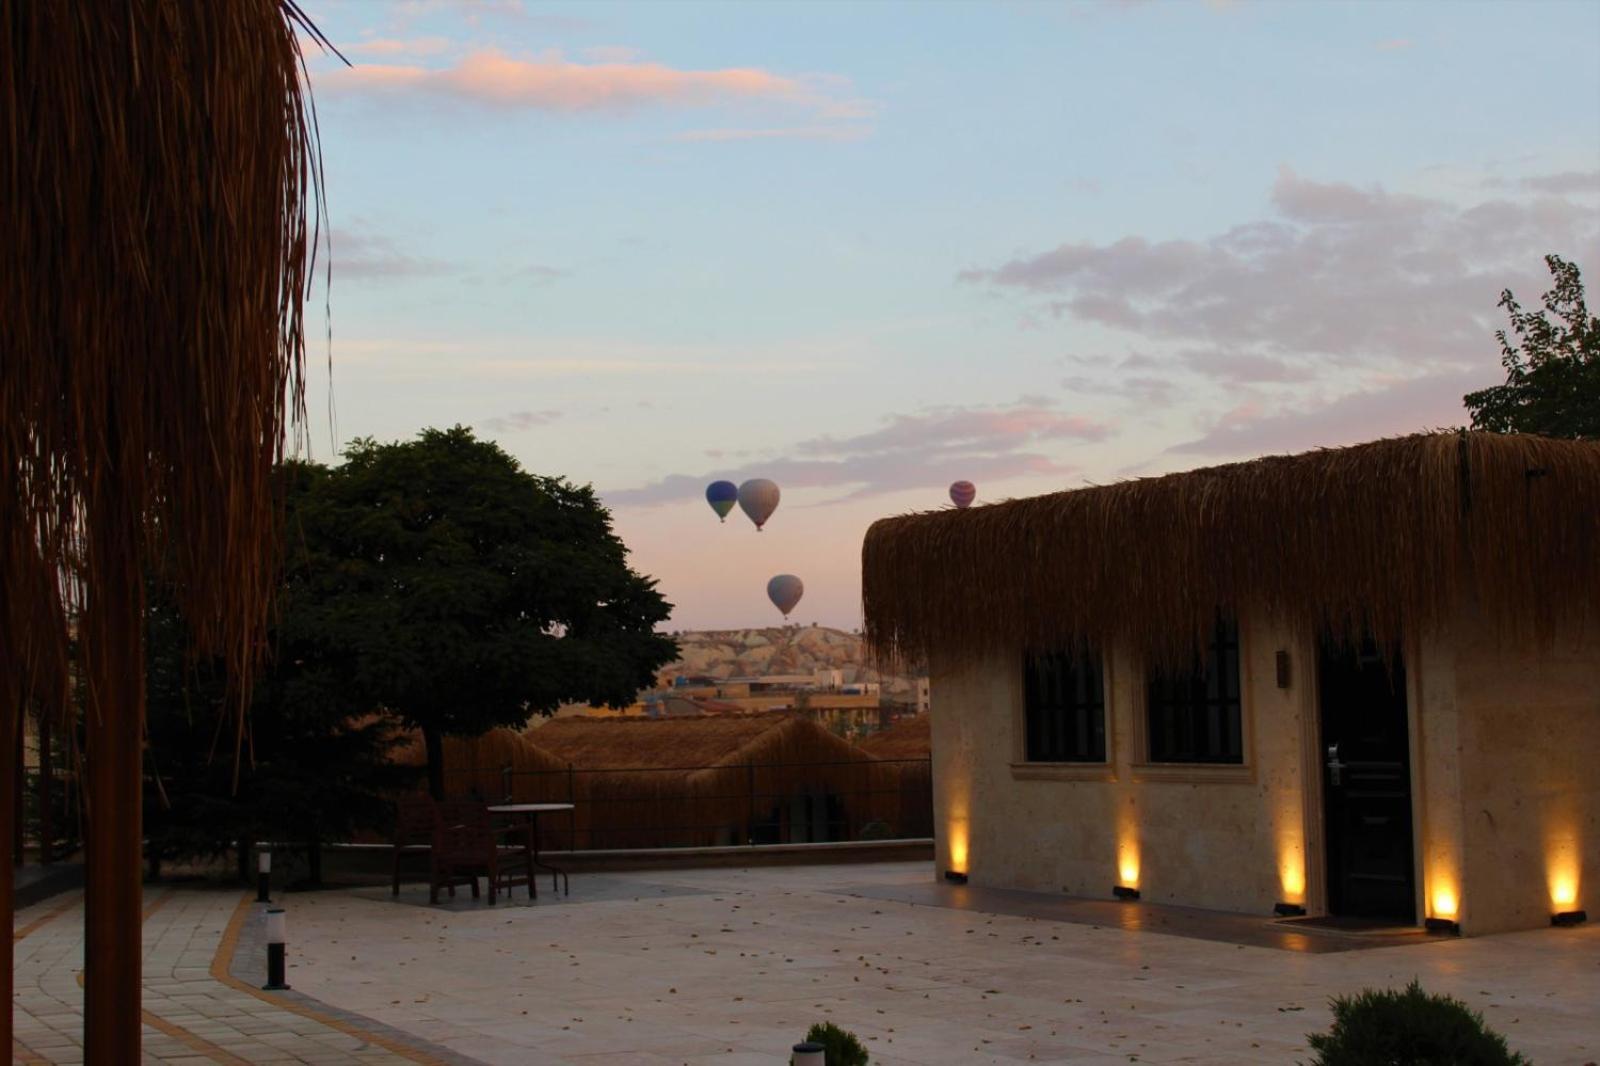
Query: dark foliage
{"points": [[314, 763], [1552, 384], [840, 1047], [471, 594], [1409, 1028]]}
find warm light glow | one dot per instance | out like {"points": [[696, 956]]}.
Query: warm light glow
{"points": [[1291, 852], [958, 845], [1563, 858], [1128, 846], [1292, 876], [1445, 903]]}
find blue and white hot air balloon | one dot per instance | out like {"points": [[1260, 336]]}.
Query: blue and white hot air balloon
{"points": [[722, 495]]}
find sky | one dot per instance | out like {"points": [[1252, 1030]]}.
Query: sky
{"points": [[866, 250]]}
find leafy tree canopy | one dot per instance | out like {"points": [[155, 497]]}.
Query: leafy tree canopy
{"points": [[473, 594], [1552, 382], [312, 763]]}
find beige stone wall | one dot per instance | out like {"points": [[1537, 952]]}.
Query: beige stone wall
{"points": [[1505, 780], [1228, 838], [1530, 778]]}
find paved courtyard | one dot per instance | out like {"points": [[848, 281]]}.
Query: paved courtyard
{"points": [[732, 966]]}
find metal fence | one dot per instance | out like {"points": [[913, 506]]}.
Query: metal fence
{"points": [[703, 806]]}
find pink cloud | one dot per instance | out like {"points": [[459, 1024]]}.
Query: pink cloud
{"points": [[555, 84], [398, 46], [1405, 406], [931, 448]]}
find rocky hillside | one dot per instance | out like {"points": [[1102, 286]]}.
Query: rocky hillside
{"points": [[779, 650]]}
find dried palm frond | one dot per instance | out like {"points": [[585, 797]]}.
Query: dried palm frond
{"points": [[156, 185], [1386, 537]]}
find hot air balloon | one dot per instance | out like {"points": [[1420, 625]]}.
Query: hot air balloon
{"points": [[962, 493], [758, 498], [785, 591], [722, 495]]}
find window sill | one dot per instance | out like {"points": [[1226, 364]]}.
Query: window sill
{"points": [[1063, 771], [1196, 773]]}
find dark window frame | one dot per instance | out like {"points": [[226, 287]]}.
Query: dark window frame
{"points": [[1196, 717], [1064, 707]]}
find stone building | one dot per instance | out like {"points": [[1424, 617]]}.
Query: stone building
{"points": [[1360, 682]]}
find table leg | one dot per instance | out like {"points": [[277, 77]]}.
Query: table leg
{"points": [[566, 882]]}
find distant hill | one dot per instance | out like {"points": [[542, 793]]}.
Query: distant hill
{"points": [[723, 653]]}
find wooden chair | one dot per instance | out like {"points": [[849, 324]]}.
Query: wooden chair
{"points": [[467, 846], [413, 831], [463, 848]]}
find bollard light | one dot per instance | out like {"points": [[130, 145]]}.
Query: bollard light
{"points": [[263, 876], [277, 933], [808, 1054]]}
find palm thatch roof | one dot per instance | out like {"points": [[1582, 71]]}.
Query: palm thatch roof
{"points": [[1387, 537], [713, 740], [474, 766], [650, 782], [909, 738]]}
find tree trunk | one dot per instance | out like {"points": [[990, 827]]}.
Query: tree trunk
{"points": [[8, 812], [47, 828], [113, 656], [19, 844], [435, 745]]}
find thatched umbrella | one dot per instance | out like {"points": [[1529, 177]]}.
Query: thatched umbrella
{"points": [[154, 183]]}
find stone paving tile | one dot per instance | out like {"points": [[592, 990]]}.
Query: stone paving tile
{"points": [[191, 1017], [733, 965]]}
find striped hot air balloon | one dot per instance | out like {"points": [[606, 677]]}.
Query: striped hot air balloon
{"points": [[758, 498], [962, 493]]}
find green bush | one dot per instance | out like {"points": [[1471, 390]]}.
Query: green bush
{"points": [[840, 1048], [1411, 1028]]}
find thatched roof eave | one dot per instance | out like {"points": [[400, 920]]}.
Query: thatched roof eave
{"points": [[1383, 537]]}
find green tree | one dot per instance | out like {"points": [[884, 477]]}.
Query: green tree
{"points": [[1552, 382], [312, 763], [473, 594]]}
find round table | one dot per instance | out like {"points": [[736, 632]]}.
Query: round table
{"points": [[531, 812]]}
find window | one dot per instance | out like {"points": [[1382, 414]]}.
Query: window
{"points": [[1065, 707], [1194, 717]]}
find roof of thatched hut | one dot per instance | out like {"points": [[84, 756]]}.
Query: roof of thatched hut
{"points": [[1387, 536], [713, 740], [909, 738], [473, 765]]}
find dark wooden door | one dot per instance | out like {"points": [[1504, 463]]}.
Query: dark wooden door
{"points": [[1366, 782]]}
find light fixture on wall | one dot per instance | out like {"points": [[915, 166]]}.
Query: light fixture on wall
{"points": [[1443, 926], [1569, 918], [955, 877], [1124, 892], [1288, 910]]}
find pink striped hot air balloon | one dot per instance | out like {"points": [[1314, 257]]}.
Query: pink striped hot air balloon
{"points": [[962, 493]]}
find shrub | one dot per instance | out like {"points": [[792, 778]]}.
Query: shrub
{"points": [[1410, 1028], [840, 1048]]}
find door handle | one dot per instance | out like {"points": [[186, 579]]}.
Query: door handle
{"points": [[1335, 767]]}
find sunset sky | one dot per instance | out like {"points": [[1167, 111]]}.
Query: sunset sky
{"points": [[868, 249]]}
